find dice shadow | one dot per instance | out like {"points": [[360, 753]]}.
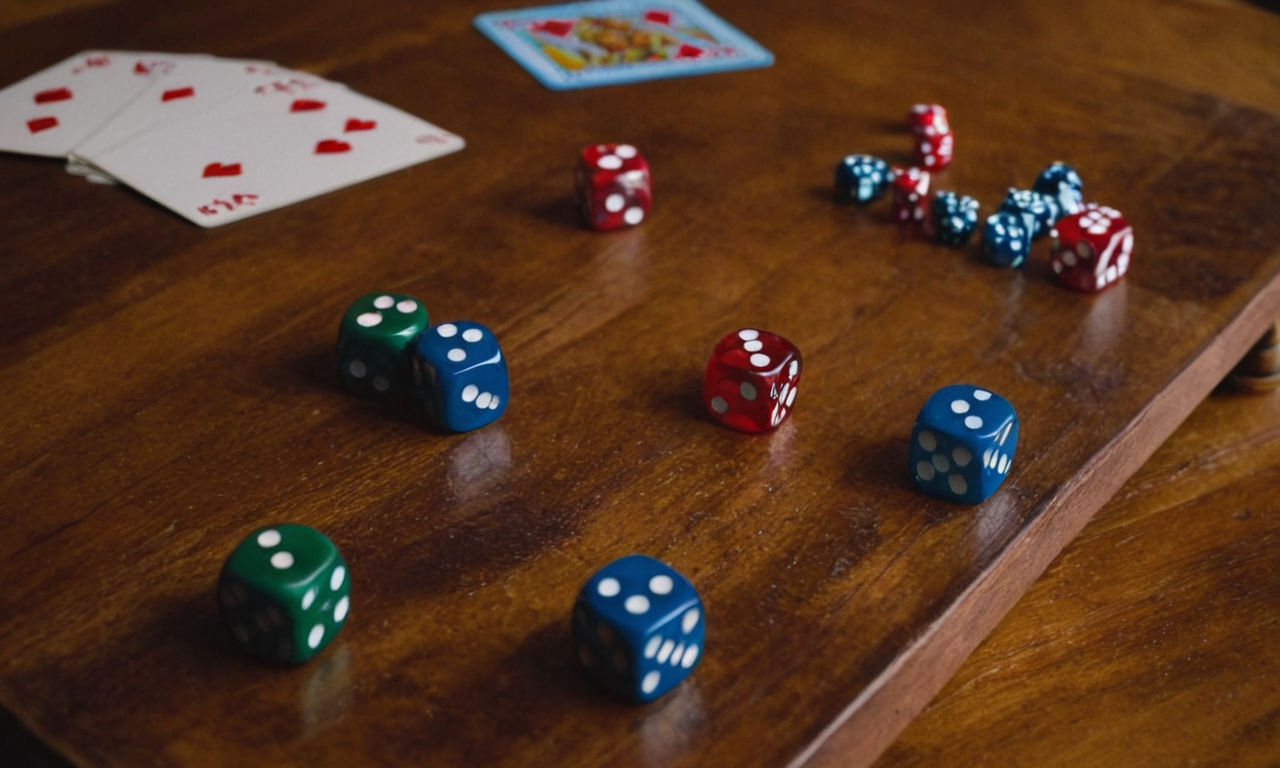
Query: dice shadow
{"points": [[879, 465], [883, 465], [561, 211], [314, 368], [544, 669], [679, 395]]}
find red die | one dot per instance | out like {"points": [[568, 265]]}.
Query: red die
{"points": [[910, 187], [613, 186], [1091, 249], [752, 379], [932, 135]]}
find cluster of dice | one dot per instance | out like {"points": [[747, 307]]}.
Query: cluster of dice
{"points": [[638, 624], [454, 372], [1091, 243]]}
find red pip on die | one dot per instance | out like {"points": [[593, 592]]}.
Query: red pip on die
{"points": [[1091, 249], [910, 192], [751, 380], [613, 186], [933, 139]]}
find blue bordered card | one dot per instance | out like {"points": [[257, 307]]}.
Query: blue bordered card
{"points": [[607, 42]]}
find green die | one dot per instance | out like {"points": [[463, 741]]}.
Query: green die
{"points": [[373, 342], [284, 593]]}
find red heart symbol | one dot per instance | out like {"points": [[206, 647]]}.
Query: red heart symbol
{"points": [[53, 94], [688, 52], [658, 17], [178, 93], [305, 105], [355, 124], [218, 169], [42, 124], [332, 146], [557, 28]]}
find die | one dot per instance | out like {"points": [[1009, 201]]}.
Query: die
{"points": [[862, 178], [1060, 182], [1039, 211], [751, 380], [613, 186], [1091, 249], [638, 627], [460, 375], [962, 443], [1005, 239], [284, 593], [373, 342], [932, 136], [910, 185], [953, 217]]}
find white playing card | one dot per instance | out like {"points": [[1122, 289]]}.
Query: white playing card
{"points": [[190, 90], [53, 110], [296, 143]]}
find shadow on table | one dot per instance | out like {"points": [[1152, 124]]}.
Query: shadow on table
{"points": [[18, 746]]}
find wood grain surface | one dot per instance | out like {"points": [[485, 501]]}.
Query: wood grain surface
{"points": [[1151, 640], [166, 389]]}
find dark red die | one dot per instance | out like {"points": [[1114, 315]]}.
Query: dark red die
{"points": [[932, 136], [751, 380], [613, 186], [1091, 249], [910, 188]]}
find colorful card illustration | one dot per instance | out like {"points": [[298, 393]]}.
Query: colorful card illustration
{"points": [[607, 42]]}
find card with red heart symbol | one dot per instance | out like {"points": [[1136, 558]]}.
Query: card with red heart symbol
{"points": [[54, 110], [272, 148], [189, 90]]}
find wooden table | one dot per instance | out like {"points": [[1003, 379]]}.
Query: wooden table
{"points": [[168, 389]]}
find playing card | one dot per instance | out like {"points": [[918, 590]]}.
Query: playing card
{"points": [[53, 110], [192, 89], [604, 42], [298, 141]]}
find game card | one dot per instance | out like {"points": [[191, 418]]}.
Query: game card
{"points": [[605, 42], [197, 89], [193, 88], [50, 112], [253, 154]]}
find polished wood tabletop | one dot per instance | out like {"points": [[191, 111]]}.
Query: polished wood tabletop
{"points": [[167, 389], [1151, 639]]}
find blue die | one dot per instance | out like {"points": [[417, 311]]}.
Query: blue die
{"points": [[460, 375], [955, 217], [862, 178], [1062, 184], [962, 443], [1006, 239], [638, 627], [1040, 211]]}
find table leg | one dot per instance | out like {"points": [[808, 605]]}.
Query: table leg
{"points": [[1259, 371]]}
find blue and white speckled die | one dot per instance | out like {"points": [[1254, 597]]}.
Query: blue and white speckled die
{"points": [[862, 178], [954, 217], [1040, 211], [638, 627], [460, 375], [1006, 239], [962, 444], [1062, 184]]}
